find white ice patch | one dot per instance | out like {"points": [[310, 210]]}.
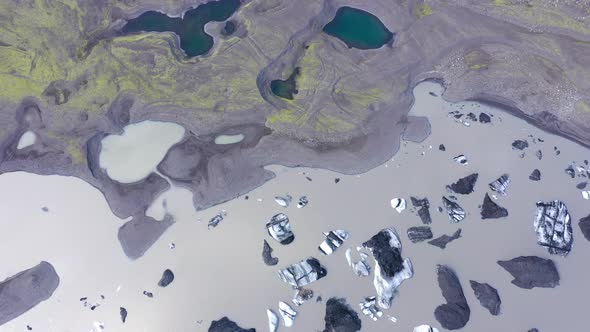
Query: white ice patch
{"points": [[399, 204], [133, 155], [229, 139], [26, 140]]}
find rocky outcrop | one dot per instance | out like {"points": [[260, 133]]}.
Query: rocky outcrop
{"points": [[532, 271], [491, 210], [454, 314], [226, 325], [464, 186], [487, 295], [390, 269], [340, 317], [553, 227], [443, 240], [25, 290], [419, 233]]}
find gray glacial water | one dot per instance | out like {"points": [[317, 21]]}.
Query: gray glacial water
{"points": [[220, 272]]}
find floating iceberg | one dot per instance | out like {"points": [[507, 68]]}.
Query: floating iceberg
{"points": [[216, 219], [280, 229], [390, 269], [369, 308], [454, 210], [303, 201], [399, 204], [273, 320], [287, 313], [360, 268], [500, 184], [284, 201], [333, 241], [553, 227], [303, 273]]}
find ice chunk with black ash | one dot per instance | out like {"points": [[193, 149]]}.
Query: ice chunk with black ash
{"points": [[445, 239], [166, 279], [216, 219], [333, 241], [280, 229], [520, 144], [454, 210], [501, 184], [419, 233], [464, 186], [302, 295], [423, 206], [369, 308], [535, 175], [303, 201], [461, 159], [399, 204], [267, 255], [361, 268], [390, 269], [303, 273], [288, 314], [284, 201], [553, 227]]}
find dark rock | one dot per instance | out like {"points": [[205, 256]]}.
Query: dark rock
{"points": [[454, 211], [491, 210], [488, 296], [423, 206], [25, 290], [148, 294], [554, 228], [484, 118], [167, 278], [267, 255], [226, 325], [535, 175], [443, 240], [123, 314], [471, 116], [455, 313], [442, 147], [520, 144], [464, 186], [340, 317], [539, 154], [570, 171], [585, 227], [582, 185], [532, 271], [533, 330], [419, 234], [336, 180]]}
